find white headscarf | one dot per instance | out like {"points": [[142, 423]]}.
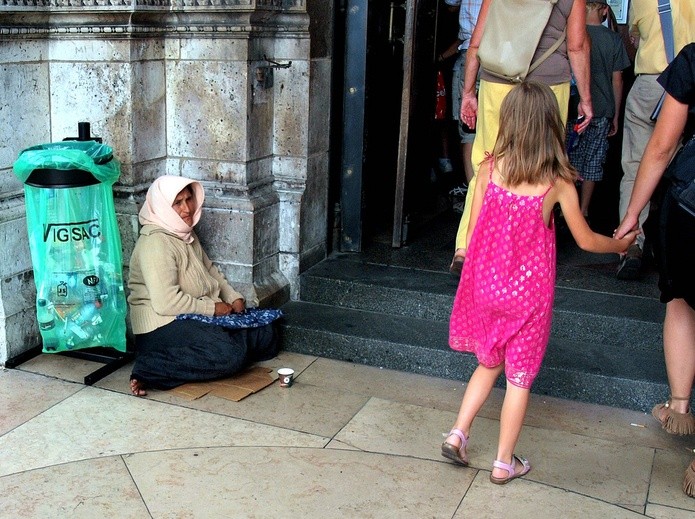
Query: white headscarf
{"points": [[158, 210]]}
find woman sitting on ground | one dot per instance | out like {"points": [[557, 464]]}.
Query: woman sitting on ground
{"points": [[171, 275]]}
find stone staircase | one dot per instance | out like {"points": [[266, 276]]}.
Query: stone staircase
{"points": [[606, 340], [605, 348]]}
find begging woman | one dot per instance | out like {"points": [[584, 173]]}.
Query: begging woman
{"points": [[171, 276]]}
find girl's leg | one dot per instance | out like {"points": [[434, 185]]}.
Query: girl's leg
{"points": [[478, 389], [679, 351], [511, 419]]}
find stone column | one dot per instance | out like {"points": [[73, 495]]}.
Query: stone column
{"points": [[209, 89]]}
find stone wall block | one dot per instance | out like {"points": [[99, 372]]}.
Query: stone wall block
{"points": [[261, 124], [149, 109], [206, 110], [266, 235], [292, 48], [289, 266], [233, 173], [214, 49], [89, 50], [225, 234], [130, 230], [23, 107], [313, 216], [145, 172], [10, 185], [18, 333], [320, 106], [22, 50], [290, 169], [291, 109], [99, 93], [321, 13], [15, 255], [290, 209], [147, 49], [18, 293]]}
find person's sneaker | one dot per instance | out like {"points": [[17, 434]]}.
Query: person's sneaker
{"points": [[631, 264], [459, 191]]}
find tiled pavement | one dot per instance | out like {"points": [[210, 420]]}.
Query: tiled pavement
{"points": [[345, 441]]}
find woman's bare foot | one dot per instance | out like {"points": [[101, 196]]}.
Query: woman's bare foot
{"points": [[137, 387]]}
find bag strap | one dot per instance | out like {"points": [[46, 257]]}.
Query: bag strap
{"points": [[667, 28], [548, 52], [666, 20]]}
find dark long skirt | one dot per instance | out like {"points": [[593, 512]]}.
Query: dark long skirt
{"points": [[191, 351], [676, 252]]}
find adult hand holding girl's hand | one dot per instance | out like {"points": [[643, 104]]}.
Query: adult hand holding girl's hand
{"points": [[628, 239], [628, 224]]}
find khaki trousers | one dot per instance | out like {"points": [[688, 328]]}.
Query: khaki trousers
{"points": [[490, 97], [640, 103]]}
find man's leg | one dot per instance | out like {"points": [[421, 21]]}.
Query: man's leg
{"points": [[640, 103]]}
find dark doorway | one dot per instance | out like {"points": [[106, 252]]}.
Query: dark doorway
{"points": [[424, 188]]}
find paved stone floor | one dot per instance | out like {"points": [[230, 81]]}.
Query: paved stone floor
{"points": [[345, 441]]}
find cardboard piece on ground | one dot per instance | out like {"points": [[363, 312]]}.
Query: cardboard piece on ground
{"points": [[192, 391], [233, 388]]}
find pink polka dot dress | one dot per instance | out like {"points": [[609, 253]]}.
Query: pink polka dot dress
{"points": [[503, 306]]}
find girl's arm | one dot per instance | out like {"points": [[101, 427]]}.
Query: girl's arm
{"points": [[660, 149], [480, 187], [586, 239]]}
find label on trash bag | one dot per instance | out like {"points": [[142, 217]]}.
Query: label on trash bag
{"points": [[76, 253]]}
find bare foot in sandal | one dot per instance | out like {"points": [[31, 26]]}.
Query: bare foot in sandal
{"points": [[137, 387]]}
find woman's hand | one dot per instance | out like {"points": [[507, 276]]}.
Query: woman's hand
{"points": [[469, 110], [238, 306], [223, 308], [628, 224]]}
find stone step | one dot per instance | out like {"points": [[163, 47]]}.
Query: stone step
{"points": [[630, 321], [591, 371]]}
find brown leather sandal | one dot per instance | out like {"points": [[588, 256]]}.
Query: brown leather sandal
{"points": [[672, 421]]}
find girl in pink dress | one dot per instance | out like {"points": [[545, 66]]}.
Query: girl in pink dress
{"points": [[503, 307]]}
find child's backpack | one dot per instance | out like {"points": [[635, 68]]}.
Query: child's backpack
{"points": [[513, 29]]}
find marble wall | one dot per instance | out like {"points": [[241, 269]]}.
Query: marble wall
{"points": [[226, 92]]}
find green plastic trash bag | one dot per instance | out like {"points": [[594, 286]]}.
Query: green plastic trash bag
{"points": [[75, 244]]}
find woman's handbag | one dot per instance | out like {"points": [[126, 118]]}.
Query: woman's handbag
{"points": [[513, 29], [681, 173]]}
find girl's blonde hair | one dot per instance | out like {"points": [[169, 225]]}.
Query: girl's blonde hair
{"points": [[531, 140]]}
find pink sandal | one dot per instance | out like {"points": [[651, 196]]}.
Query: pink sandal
{"points": [[454, 453], [511, 469]]}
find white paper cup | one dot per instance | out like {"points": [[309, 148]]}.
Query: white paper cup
{"points": [[286, 377]]}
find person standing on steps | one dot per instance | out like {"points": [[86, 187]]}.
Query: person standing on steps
{"points": [[468, 15], [676, 244], [608, 60], [481, 111], [650, 60], [503, 306]]}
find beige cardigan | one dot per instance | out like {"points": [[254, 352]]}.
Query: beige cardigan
{"points": [[169, 277]]}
